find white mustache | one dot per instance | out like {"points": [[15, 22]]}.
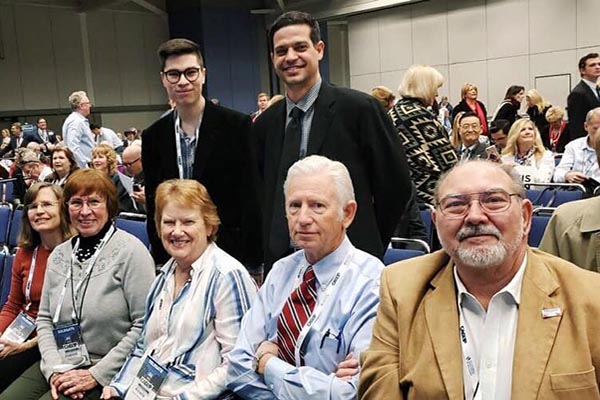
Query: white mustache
{"points": [[476, 230]]}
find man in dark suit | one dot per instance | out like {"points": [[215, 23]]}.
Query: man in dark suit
{"points": [[205, 142], [341, 124], [585, 95], [469, 129], [16, 140]]}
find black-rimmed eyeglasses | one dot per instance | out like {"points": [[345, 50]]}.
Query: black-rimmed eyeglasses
{"points": [[174, 75], [491, 201], [129, 164]]}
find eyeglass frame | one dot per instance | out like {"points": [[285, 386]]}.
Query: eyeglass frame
{"points": [[45, 207], [471, 199], [79, 207], [165, 74], [129, 164]]}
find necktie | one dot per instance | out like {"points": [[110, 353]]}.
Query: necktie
{"points": [[279, 241], [598, 92], [465, 154], [294, 315]]}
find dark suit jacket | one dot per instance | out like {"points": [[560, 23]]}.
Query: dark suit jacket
{"points": [[223, 165], [580, 101], [36, 137], [350, 127], [12, 146], [478, 152]]}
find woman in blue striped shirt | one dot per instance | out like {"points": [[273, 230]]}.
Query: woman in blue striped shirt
{"points": [[195, 306]]}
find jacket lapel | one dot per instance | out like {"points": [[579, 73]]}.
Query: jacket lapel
{"points": [[441, 314], [535, 334], [207, 137], [322, 119]]}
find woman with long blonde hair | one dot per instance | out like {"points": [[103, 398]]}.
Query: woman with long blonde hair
{"points": [[524, 149], [537, 107]]}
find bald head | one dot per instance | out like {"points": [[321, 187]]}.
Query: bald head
{"points": [[132, 159]]}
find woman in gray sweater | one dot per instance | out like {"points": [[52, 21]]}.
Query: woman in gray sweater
{"points": [[92, 304]]}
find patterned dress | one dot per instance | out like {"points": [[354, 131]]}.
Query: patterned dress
{"points": [[428, 149]]}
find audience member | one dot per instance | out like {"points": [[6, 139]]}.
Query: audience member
{"points": [[42, 229], [195, 306], [469, 131], [104, 158], [30, 170], [42, 135], [525, 150], [487, 317], [302, 336], [556, 136], [469, 103], [385, 97], [579, 163], [585, 95], [508, 109], [132, 161], [85, 335], [262, 100], [573, 229], [340, 123], [499, 134], [444, 103], [16, 141], [5, 139], [537, 107], [209, 143], [76, 129], [425, 141], [63, 164], [131, 135], [106, 135]]}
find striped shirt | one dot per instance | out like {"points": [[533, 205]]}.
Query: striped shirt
{"points": [[306, 104], [190, 333]]}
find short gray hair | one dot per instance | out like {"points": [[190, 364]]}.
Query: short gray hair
{"points": [[508, 169], [75, 99], [313, 165], [594, 112]]}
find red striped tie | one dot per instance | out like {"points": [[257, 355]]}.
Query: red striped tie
{"points": [[294, 315]]}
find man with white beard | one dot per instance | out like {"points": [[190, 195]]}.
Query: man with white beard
{"points": [[486, 317]]}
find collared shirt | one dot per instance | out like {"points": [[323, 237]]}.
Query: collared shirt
{"points": [[344, 325], [79, 138], [306, 104], [593, 86], [492, 337], [188, 151], [578, 156], [193, 330], [108, 135], [465, 152]]}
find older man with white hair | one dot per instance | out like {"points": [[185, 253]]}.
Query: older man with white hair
{"points": [[76, 132], [315, 310], [486, 317]]}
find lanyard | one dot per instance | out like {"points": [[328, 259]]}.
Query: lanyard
{"points": [[468, 351], [30, 279], [85, 275], [178, 133], [327, 291]]}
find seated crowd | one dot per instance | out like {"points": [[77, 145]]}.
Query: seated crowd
{"points": [[92, 315]]}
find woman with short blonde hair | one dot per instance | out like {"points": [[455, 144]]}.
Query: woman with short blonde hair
{"points": [[537, 107], [470, 103]]}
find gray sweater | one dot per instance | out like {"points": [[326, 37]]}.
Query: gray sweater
{"points": [[113, 306]]}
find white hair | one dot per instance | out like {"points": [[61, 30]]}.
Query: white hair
{"points": [[313, 165], [75, 99]]}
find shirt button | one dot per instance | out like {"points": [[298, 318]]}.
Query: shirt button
{"points": [[488, 364]]}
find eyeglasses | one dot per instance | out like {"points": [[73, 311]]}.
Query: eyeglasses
{"points": [[173, 75], [492, 201], [129, 164], [77, 204], [45, 205], [474, 126]]}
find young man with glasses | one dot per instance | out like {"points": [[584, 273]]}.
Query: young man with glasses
{"points": [[486, 317], [206, 142]]}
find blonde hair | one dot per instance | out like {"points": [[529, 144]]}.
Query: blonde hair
{"points": [[555, 114], [513, 136], [384, 95], [421, 82], [536, 99], [455, 138], [275, 99], [465, 89], [111, 157]]}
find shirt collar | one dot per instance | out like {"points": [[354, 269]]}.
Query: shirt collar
{"points": [[591, 84], [306, 102], [326, 267], [513, 288]]}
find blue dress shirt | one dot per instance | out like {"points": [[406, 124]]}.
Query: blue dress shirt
{"points": [[344, 325], [79, 138]]}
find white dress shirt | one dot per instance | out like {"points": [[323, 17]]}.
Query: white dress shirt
{"points": [[490, 338], [578, 156]]}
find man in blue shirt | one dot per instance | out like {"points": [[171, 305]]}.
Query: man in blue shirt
{"points": [[76, 129], [313, 354]]}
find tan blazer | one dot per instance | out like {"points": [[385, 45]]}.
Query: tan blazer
{"points": [[415, 351], [573, 233]]}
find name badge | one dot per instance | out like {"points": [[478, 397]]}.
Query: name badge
{"points": [[70, 345], [146, 384], [20, 329]]}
